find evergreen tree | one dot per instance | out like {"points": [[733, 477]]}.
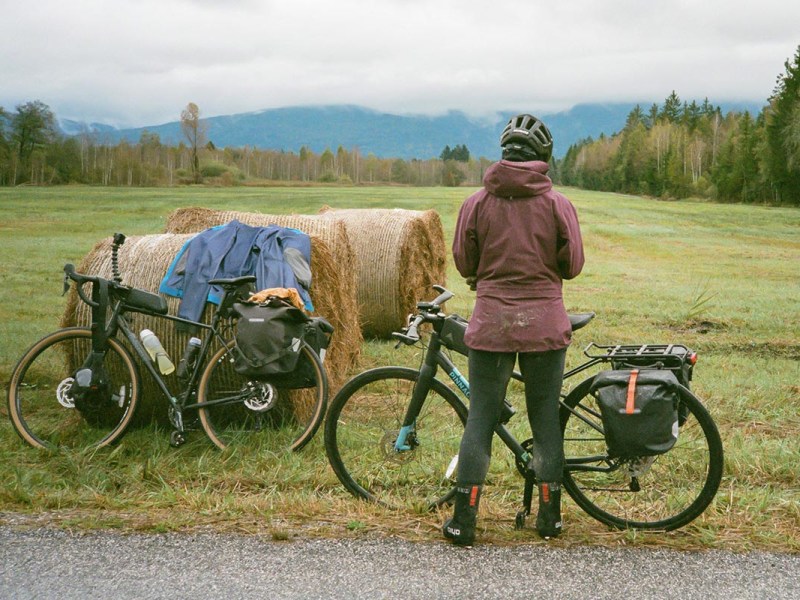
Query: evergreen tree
{"points": [[4, 153], [459, 153], [782, 168], [671, 111], [692, 114], [652, 116], [635, 117]]}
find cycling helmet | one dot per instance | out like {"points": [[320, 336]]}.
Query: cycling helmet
{"points": [[525, 137]]}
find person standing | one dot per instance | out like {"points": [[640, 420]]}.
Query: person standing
{"points": [[516, 239]]}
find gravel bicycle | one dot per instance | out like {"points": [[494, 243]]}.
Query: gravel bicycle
{"points": [[392, 434], [80, 386]]}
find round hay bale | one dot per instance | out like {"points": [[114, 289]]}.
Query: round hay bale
{"points": [[143, 263], [401, 254], [333, 265]]}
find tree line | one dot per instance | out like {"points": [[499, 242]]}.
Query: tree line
{"points": [[680, 149], [33, 151], [673, 150]]}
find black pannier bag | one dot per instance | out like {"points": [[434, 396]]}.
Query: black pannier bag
{"points": [[269, 340], [317, 334], [452, 335], [639, 411]]}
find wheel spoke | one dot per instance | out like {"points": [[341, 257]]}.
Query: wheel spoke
{"points": [[49, 409]]}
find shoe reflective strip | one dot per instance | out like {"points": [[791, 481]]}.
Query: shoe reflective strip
{"points": [[545, 493], [630, 405], [473, 495]]}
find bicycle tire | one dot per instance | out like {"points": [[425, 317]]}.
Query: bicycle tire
{"points": [[674, 489], [362, 427], [41, 401], [259, 414]]}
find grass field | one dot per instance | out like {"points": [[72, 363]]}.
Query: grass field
{"points": [[724, 279]]}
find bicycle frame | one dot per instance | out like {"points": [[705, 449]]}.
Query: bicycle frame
{"points": [[435, 359], [118, 322]]}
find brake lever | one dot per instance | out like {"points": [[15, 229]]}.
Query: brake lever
{"points": [[66, 285]]}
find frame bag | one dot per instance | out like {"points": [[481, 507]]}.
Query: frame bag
{"points": [[639, 410]]}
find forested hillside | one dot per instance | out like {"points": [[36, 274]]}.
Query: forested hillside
{"points": [[681, 149], [672, 150]]}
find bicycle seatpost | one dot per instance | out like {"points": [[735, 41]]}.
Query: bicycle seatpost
{"points": [[119, 239]]}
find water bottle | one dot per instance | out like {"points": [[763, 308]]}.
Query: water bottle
{"points": [[157, 352], [187, 362]]}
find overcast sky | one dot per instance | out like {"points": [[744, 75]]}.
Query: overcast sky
{"points": [[139, 62]]}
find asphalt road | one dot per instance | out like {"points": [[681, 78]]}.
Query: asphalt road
{"points": [[46, 563]]}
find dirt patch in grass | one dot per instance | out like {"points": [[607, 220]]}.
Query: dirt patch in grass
{"points": [[699, 326]]}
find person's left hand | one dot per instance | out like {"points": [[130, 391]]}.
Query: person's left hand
{"points": [[472, 282]]}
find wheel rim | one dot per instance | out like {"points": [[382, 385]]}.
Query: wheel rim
{"points": [[673, 488], [257, 414], [45, 409], [362, 432]]}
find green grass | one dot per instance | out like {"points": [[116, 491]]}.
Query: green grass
{"points": [[720, 278]]}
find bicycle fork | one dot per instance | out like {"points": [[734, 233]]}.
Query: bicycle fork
{"points": [[406, 438]]}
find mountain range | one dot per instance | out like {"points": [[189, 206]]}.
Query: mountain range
{"points": [[382, 134]]}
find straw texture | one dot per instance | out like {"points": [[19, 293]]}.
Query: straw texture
{"points": [[401, 254]]}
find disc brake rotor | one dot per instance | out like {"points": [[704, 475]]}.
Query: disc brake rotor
{"points": [[261, 396], [63, 394], [390, 454]]}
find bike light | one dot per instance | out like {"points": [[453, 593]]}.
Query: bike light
{"points": [[693, 358]]}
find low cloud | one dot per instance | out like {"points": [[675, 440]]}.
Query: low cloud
{"points": [[139, 62]]}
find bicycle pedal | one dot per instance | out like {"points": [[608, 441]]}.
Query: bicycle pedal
{"points": [[177, 438]]}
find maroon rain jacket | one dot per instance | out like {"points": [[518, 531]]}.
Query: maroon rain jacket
{"points": [[519, 238]]}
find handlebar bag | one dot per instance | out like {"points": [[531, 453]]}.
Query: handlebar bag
{"points": [[639, 410], [452, 335], [269, 338]]}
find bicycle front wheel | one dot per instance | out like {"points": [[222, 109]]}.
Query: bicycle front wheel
{"points": [[363, 425], [236, 410], [48, 410], [651, 492]]}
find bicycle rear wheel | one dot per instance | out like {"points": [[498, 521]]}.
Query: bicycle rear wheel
{"points": [[239, 411], [44, 407], [362, 427], [658, 493]]}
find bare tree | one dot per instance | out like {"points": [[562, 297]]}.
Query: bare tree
{"points": [[194, 132]]}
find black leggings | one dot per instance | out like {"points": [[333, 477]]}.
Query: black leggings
{"points": [[489, 373]]}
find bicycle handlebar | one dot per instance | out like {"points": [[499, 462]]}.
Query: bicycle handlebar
{"points": [[428, 312], [79, 279]]}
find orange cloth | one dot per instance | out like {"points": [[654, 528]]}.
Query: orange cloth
{"points": [[289, 294]]}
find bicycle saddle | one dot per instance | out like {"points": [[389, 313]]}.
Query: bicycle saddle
{"points": [[580, 320]]}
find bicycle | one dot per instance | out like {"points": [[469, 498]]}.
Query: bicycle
{"points": [[79, 387], [392, 434]]}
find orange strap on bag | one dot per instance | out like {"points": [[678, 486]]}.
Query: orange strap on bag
{"points": [[630, 404]]}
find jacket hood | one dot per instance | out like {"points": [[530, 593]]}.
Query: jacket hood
{"points": [[507, 179]]}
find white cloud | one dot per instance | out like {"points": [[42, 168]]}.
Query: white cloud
{"points": [[138, 62]]}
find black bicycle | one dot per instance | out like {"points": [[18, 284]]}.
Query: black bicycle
{"points": [[79, 387], [392, 434]]}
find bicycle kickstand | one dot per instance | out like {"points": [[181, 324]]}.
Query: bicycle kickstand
{"points": [[527, 499]]}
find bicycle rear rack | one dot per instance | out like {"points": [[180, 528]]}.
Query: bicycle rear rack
{"points": [[676, 353]]}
